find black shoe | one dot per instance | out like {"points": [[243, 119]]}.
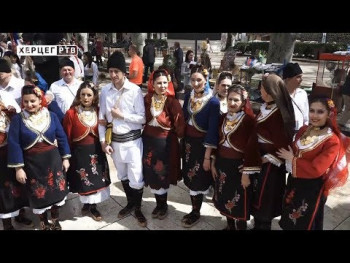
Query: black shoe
{"points": [[55, 225], [85, 209], [155, 212], [191, 219], [95, 213], [21, 219], [163, 212], [141, 219], [45, 225], [126, 211]]}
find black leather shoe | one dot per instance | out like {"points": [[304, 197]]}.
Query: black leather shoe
{"points": [[20, 219], [141, 219], [126, 211], [96, 215]]}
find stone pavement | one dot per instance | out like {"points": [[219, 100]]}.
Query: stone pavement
{"points": [[337, 210]]}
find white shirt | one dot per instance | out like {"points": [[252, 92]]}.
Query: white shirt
{"points": [[301, 111], [8, 100], [64, 94], [93, 71], [78, 67], [131, 104], [15, 88]]}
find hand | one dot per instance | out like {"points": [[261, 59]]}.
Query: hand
{"points": [[284, 154], [245, 180], [264, 160], [106, 148], [206, 165], [21, 176], [11, 108], [65, 164], [117, 113]]}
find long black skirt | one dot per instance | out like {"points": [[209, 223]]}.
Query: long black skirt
{"points": [[230, 198], [155, 161], [89, 171], [46, 181], [12, 193], [195, 178], [268, 191], [300, 203]]}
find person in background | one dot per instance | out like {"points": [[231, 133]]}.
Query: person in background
{"points": [[148, 58], [12, 194], [64, 90], [39, 151], [122, 104], [8, 82], [78, 67], [345, 91], [223, 82], [238, 146], [90, 69], [164, 127], [209, 48], [99, 51], [318, 163], [201, 112], [186, 70], [88, 174], [293, 76], [275, 129], [136, 67], [179, 58]]}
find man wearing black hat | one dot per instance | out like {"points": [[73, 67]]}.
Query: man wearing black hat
{"points": [[8, 82], [122, 104], [292, 76], [65, 89]]}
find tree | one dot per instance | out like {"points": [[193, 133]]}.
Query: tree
{"points": [[281, 47], [138, 39]]}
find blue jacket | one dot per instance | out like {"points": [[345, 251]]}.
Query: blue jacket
{"points": [[206, 120], [21, 138]]}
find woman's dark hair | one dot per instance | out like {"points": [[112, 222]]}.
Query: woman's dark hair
{"points": [[200, 69], [224, 75], [158, 73], [89, 85], [187, 54], [89, 58], [275, 87]]}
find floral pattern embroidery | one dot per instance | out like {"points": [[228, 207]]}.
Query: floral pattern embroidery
{"points": [[148, 160], [61, 181], [187, 151], [222, 177], [39, 190], [297, 213], [232, 203], [93, 162], [15, 190], [192, 172], [290, 196], [83, 176], [159, 168], [50, 181]]}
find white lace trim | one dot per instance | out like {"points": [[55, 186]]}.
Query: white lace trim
{"points": [[96, 198], [161, 191], [9, 215], [42, 210], [199, 192], [272, 159]]}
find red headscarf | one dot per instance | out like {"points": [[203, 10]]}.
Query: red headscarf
{"points": [[338, 173], [170, 90]]}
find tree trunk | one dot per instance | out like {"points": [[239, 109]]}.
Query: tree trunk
{"points": [[281, 47], [223, 41], [83, 37], [229, 41], [138, 39]]}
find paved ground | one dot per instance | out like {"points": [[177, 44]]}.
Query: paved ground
{"points": [[337, 211]]}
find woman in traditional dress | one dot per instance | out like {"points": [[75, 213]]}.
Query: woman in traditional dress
{"points": [[39, 151], [238, 146], [275, 129], [223, 82], [165, 125], [317, 163], [88, 174], [12, 193], [201, 111]]}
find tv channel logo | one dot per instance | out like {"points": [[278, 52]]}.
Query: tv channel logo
{"points": [[47, 50]]}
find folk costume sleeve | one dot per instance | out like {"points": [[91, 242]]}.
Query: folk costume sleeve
{"points": [[252, 160], [178, 118], [15, 152], [68, 124], [212, 137], [316, 163], [61, 137]]}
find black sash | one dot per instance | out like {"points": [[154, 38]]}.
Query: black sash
{"points": [[129, 136]]}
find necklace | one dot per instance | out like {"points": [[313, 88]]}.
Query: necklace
{"points": [[307, 138], [196, 104], [36, 119], [158, 104]]}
